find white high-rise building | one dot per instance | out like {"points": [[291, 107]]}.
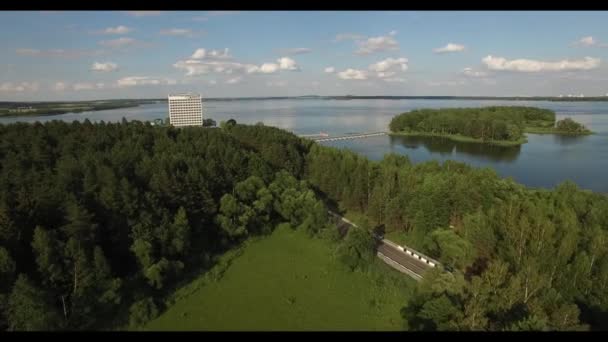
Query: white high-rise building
{"points": [[185, 110]]}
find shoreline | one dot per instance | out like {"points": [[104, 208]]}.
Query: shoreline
{"points": [[536, 130], [462, 138]]}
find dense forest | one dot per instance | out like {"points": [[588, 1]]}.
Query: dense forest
{"points": [[99, 221], [505, 123]]}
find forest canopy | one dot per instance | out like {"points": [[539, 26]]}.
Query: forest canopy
{"points": [[99, 221]]}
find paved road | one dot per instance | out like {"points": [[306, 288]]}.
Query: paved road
{"points": [[413, 266], [409, 262]]}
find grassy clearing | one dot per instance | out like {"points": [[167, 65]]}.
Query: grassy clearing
{"points": [[463, 138], [289, 281]]}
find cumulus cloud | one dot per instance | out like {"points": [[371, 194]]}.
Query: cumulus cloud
{"points": [[377, 44], [204, 62], [286, 63], [587, 41], [530, 65], [104, 67], [144, 13], [450, 47], [11, 87], [202, 53], [267, 68], [353, 74], [469, 72], [388, 64], [118, 43], [386, 70], [330, 70], [234, 80], [132, 81], [120, 29]]}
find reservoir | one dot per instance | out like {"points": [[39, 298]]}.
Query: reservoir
{"points": [[545, 161]]}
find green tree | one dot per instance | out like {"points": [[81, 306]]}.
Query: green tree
{"points": [[29, 308]]}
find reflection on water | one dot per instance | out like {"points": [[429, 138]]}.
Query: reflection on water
{"points": [[447, 147], [566, 140]]}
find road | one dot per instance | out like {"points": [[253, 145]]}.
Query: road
{"points": [[408, 261]]}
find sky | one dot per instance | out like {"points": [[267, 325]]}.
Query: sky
{"points": [[88, 55]]}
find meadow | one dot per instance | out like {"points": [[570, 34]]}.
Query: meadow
{"points": [[289, 281]]}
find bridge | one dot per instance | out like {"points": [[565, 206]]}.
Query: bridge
{"points": [[324, 137], [402, 258]]}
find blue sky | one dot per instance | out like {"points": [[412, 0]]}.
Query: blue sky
{"points": [[74, 55]]}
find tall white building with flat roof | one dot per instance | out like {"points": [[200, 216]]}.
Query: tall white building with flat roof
{"points": [[185, 110]]}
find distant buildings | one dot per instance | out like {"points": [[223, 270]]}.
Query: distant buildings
{"points": [[185, 110]]}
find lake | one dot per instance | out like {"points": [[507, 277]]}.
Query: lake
{"points": [[545, 161]]}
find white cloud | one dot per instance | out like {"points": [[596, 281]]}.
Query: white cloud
{"points": [[286, 63], [377, 44], [268, 68], [385, 70], [392, 33], [212, 82], [234, 80], [202, 53], [202, 62], [298, 51], [120, 29], [450, 47], [117, 43], [530, 65], [469, 72], [10, 87], [388, 64], [353, 74], [144, 13], [587, 41], [60, 86], [104, 67], [330, 70], [132, 81]]}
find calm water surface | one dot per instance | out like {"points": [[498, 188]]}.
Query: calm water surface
{"points": [[544, 161]]}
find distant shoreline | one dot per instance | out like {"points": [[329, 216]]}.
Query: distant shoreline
{"points": [[13, 109]]}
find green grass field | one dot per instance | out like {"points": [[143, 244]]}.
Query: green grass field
{"points": [[289, 281]]}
